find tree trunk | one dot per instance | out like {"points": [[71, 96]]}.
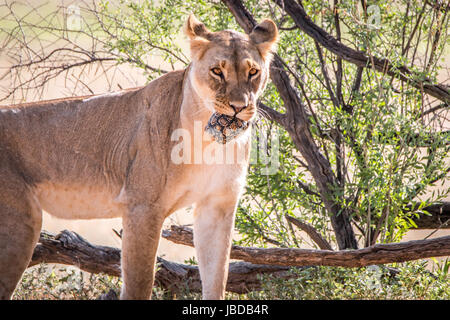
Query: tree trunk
{"points": [[297, 125]]}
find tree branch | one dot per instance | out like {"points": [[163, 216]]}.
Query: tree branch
{"points": [[359, 58], [312, 233], [271, 114], [71, 249], [377, 254]]}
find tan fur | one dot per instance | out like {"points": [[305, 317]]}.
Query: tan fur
{"points": [[111, 156]]}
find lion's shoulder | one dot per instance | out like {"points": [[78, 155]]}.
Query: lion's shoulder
{"points": [[169, 83], [165, 94]]}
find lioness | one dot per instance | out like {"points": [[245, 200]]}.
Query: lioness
{"points": [[111, 156]]}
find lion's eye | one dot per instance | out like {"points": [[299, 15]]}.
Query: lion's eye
{"points": [[253, 72], [217, 71]]}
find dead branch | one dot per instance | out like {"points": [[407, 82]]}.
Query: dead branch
{"points": [[377, 254], [70, 248]]}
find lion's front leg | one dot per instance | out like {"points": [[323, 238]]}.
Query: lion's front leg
{"points": [[140, 239], [213, 228]]}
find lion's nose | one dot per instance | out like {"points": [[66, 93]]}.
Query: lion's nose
{"points": [[238, 106]]}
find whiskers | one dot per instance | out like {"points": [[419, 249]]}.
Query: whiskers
{"points": [[261, 113]]}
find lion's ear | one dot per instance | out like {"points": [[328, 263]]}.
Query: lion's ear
{"points": [[194, 28], [265, 36], [198, 33]]}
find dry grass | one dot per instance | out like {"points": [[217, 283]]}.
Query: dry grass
{"points": [[413, 282]]}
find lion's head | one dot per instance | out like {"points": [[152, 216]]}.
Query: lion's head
{"points": [[230, 69]]}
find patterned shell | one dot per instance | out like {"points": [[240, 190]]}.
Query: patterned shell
{"points": [[225, 128]]}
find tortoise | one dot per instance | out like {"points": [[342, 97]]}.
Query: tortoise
{"points": [[225, 128]]}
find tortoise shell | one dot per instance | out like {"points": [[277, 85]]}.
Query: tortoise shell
{"points": [[225, 128]]}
